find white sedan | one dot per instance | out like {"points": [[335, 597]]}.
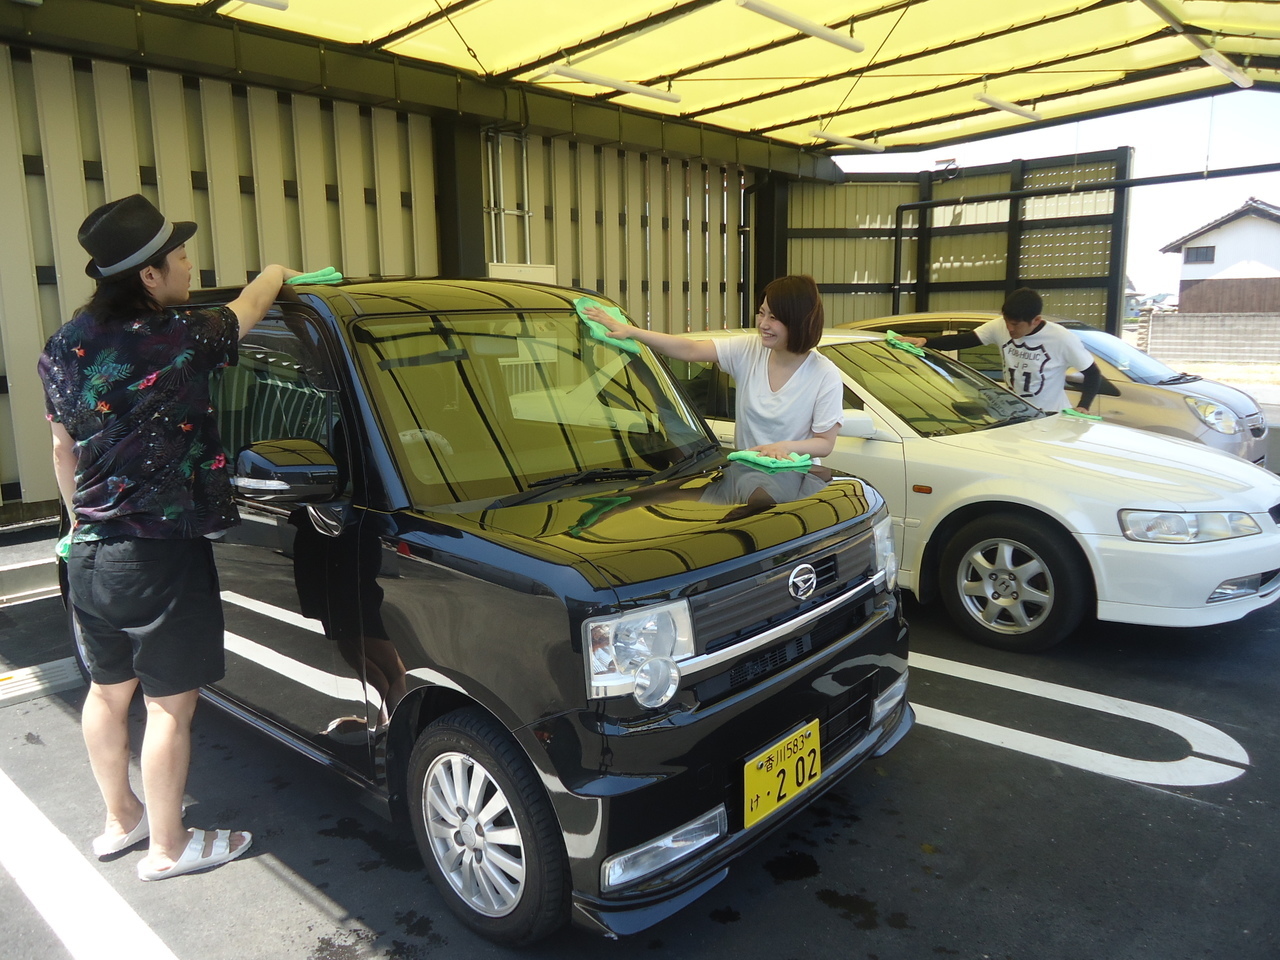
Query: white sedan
{"points": [[1023, 523]]}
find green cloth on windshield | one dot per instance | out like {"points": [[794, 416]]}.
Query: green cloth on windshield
{"points": [[899, 344], [598, 330]]}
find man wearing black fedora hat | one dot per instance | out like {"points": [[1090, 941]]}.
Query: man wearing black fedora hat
{"points": [[141, 470]]}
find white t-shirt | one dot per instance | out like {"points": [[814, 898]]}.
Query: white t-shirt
{"points": [[1035, 367], [809, 402]]}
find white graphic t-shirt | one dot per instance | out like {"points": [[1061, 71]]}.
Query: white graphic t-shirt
{"points": [[1035, 367]]}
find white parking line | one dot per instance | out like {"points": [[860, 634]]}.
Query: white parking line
{"points": [[83, 910], [1189, 771]]}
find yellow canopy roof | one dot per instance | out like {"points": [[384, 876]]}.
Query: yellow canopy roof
{"points": [[757, 67]]}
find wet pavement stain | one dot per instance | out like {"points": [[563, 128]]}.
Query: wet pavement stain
{"points": [[393, 852], [725, 915], [413, 924], [852, 907], [792, 865], [34, 740], [278, 782], [342, 945]]}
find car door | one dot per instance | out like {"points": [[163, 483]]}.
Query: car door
{"points": [[287, 588]]}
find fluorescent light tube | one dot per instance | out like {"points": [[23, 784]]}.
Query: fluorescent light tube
{"points": [[1006, 106], [573, 73], [866, 145], [1225, 67], [810, 27]]}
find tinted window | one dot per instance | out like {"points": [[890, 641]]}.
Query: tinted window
{"points": [[280, 388], [479, 407], [933, 394], [1125, 357]]}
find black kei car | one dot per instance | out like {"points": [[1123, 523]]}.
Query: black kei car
{"points": [[498, 574]]}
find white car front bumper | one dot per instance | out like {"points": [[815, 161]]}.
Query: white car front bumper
{"points": [[1169, 585]]}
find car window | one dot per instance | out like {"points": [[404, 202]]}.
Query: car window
{"points": [[477, 407], [709, 388], [281, 387], [934, 394], [1135, 364]]}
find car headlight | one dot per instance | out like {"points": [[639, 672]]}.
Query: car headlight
{"points": [[1154, 526], [886, 555], [638, 652], [1214, 415]]}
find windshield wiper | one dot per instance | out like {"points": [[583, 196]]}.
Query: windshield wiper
{"points": [[547, 484], [1181, 378], [684, 462]]}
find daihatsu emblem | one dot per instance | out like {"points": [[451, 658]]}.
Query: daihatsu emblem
{"points": [[802, 582]]}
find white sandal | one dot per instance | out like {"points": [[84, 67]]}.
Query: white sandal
{"points": [[194, 857]]}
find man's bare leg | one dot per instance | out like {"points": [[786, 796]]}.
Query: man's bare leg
{"points": [[104, 722], [166, 757]]}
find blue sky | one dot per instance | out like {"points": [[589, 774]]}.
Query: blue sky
{"points": [[1236, 129]]}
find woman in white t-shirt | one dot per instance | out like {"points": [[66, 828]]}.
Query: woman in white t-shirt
{"points": [[789, 397]]}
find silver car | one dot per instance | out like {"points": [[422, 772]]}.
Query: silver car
{"points": [[1137, 390]]}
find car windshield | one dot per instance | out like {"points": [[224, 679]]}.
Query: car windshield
{"points": [[934, 394], [1136, 365], [478, 407]]}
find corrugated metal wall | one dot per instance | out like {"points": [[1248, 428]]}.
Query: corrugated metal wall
{"points": [[1070, 246], [270, 177], [661, 236]]}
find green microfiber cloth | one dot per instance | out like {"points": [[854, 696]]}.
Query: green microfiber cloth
{"points": [[797, 461], [1069, 412], [898, 344], [63, 549], [602, 505], [599, 330], [327, 275]]}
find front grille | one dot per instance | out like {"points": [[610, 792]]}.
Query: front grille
{"points": [[763, 664], [727, 615], [1257, 424], [1275, 513]]}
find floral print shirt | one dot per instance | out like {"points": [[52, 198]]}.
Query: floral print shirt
{"points": [[135, 398]]}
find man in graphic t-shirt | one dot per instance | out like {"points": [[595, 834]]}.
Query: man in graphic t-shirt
{"points": [[1037, 353]]}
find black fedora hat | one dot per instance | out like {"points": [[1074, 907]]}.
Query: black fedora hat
{"points": [[126, 234]]}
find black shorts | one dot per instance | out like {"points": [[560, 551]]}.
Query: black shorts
{"points": [[149, 609]]}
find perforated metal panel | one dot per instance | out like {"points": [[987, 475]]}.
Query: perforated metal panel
{"points": [[983, 232]]}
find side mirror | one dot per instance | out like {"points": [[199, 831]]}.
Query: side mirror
{"points": [[287, 471], [857, 423]]}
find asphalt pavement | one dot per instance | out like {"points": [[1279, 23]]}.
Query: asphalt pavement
{"points": [[1114, 798]]}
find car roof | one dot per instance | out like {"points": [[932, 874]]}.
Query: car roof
{"points": [[828, 335], [399, 296], [980, 316]]}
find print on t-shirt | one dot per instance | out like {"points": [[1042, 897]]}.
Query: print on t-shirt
{"points": [[1025, 368]]}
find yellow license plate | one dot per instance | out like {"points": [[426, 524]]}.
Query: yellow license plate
{"points": [[776, 776]]}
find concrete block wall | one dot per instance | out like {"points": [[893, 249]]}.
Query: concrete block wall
{"points": [[1216, 337]]}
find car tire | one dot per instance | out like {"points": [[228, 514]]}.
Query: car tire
{"points": [[506, 876], [77, 644], [1013, 584]]}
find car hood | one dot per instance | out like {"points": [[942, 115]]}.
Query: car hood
{"points": [[638, 533], [1134, 468], [1235, 399]]}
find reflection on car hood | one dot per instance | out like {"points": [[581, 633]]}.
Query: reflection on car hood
{"points": [[637, 533], [1134, 467], [1235, 399]]}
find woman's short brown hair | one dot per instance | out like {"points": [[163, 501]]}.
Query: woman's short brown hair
{"points": [[796, 302]]}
